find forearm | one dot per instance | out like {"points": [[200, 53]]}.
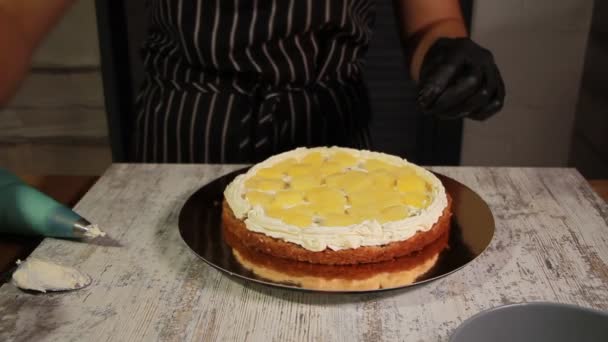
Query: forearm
{"points": [[23, 26], [422, 22]]}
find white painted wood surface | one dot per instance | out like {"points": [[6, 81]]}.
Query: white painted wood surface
{"points": [[551, 244]]}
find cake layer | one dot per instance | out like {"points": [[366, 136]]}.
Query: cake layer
{"points": [[364, 277], [367, 254], [351, 272], [337, 198]]}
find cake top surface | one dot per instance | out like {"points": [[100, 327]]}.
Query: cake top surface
{"points": [[336, 188], [337, 197]]}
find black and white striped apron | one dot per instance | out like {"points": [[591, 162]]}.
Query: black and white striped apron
{"points": [[234, 81]]}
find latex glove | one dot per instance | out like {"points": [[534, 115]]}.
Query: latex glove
{"points": [[459, 78]]}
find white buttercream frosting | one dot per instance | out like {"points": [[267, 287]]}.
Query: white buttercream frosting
{"points": [[42, 275], [318, 238], [93, 231]]}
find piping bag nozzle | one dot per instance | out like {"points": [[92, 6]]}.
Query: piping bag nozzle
{"points": [[26, 211]]}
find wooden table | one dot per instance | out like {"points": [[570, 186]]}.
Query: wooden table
{"points": [[601, 187], [551, 244]]}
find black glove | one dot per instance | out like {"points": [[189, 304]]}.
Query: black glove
{"points": [[459, 79]]}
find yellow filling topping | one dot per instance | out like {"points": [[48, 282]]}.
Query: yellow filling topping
{"points": [[351, 181], [374, 198], [393, 213], [326, 197], [258, 197], [304, 183], [298, 170], [314, 158], [344, 159], [382, 179], [411, 183], [337, 189], [415, 199], [375, 164], [328, 168], [287, 198], [290, 216], [264, 184], [271, 172]]}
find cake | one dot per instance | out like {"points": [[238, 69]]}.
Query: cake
{"points": [[395, 273], [336, 206]]}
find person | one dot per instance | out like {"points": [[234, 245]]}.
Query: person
{"points": [[235, 81], [23, 26]]}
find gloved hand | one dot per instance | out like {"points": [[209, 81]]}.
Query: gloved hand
{"points": [[458, 78]]}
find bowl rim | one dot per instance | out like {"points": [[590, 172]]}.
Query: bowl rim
{"points": [[473, 318]]}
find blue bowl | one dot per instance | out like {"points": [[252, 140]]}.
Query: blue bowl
{"points": [[538, 321]]}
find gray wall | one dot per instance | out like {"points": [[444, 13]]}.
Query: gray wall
{"points": [[540, 47], [590, 141], [56, 123]]}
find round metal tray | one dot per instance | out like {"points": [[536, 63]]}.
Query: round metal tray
{"points": [[200, 228]]}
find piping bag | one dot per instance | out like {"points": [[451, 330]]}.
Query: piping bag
{"points": [[26, 211]]}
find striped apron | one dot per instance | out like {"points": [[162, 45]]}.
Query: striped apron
{"points": [[235, 81]]}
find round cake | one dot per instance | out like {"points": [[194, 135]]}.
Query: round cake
{"points": [[336, 206], [361, 277]]}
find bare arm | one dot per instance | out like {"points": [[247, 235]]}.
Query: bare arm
{"points": [[23, 26], [422, 22]]}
